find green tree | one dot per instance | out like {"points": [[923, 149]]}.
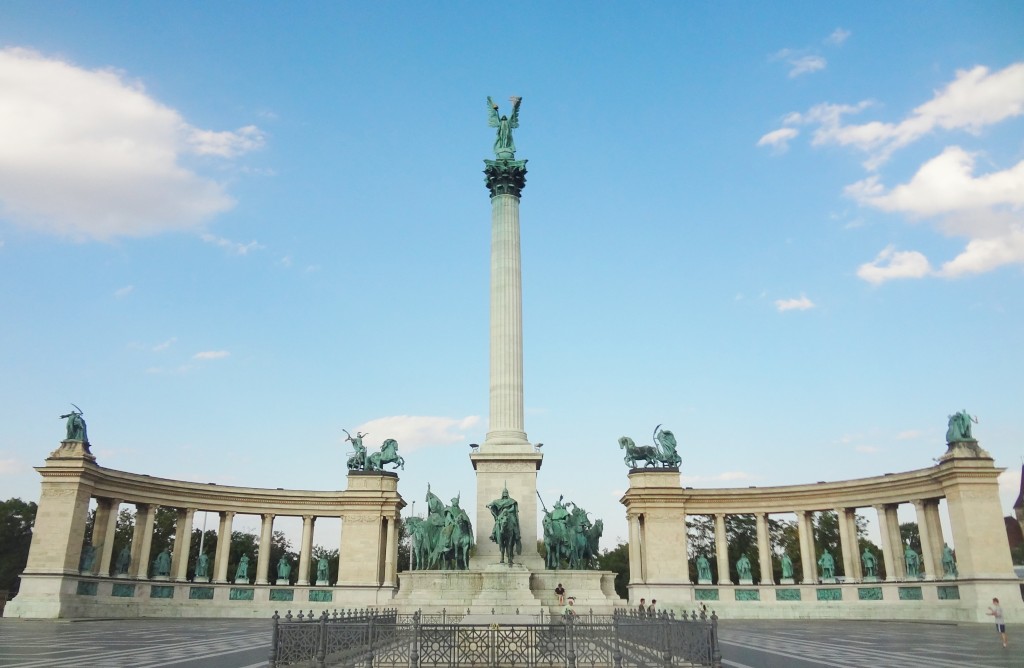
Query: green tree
{"points": [[209, 542], [617, 561], [332, 561], [909, 533], [280, 546], [700, 533], [242, 542], [741, 535], [16, 520]]}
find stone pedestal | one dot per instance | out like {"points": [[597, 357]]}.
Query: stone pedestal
{"points": [[323, 583], [703, 582], [870, 578], [746, 581], [202, 580], [786, 581]]}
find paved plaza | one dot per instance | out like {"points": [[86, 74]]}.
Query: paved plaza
{"points": [[218, 643]]}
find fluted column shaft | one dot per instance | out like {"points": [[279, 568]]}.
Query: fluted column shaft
{"points": [[182, 543], [263, 558], [506, 391], [808, 559], [888, 557], [928, 556], [722, 550], [390, 554], [635, 572], [220, 560], [764, 551], [306, 550], [103, 530], [847, 541], [144, 532]]}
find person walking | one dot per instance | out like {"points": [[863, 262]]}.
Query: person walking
{"points": [[651, 612], [995, 610], [642, 609]]}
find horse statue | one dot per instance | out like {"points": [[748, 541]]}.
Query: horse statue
{"points": [[453, 545], [593, 537], [556, 544], [506, 531], [419, 543], [666, 442], [635, 453], [388, 455]]}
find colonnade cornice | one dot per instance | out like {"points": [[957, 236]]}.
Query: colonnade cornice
{"points": [[136, 488]]}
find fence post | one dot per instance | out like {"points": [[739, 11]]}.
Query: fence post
{"points": [[666, 654], [272, 659], [570, 637], [370, 634], [617, 649], [321, 650], [414, 651], [716, 651]]}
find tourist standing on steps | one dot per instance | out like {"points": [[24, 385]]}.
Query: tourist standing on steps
{"points": [[569, 610], [996, 610], [560, 593]]}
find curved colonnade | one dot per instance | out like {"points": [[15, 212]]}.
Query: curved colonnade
{"points": [[53, 586], [657, 508]]}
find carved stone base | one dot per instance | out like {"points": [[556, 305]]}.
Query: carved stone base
{"points": [[323, 583], [703, 582], [73, 450], [746, 581], [870, 578], [201, 579], [786, 581], [964, 450]]}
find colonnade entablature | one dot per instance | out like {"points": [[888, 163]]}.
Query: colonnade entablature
{"points": [[657, 506], [369, 510]]}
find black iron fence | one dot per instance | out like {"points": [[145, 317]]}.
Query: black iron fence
{"points": [[367, 638]]}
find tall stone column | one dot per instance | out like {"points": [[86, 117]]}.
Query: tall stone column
{"points": [[103, 534], [223, 553], [931, 514], [896, 541], [929, 561], [145, 518], [506, 459], [764, 551], [847, 541], [390, 554], [263, 558], [635, 558], [107, 547], [888, 558], [808, 559], [182, 543], [722, 550], [306, 550]]}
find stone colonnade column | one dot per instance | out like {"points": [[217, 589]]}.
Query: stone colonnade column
{"points": [[931, 516], [390, 557], [892, 520], [143, 532], [103, 531], [808, 559], [306, 549], [847, 541], [182, 543], [263, 556], [636, 575], [722, 550], [220, 561], [764, 551], [928, 556], [886, 537]]}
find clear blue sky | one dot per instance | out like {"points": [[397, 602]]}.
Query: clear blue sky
{"points": [[791, 233]]}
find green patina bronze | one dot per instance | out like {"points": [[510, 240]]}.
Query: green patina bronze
{"points": [[162, 563], [86, 588], [203, 566], [705, 594], [948, 562], [828, 565], [703, 569], [161, 591], [787, 594], [123, 590], [911, 594], [241, 594], [75, 426], [830, 594], [242, 571], [284, 570], [200, 593], [748, 594], [869, 562], [913, 562], [124, 559], [442, 540], [787, 566], [743, 568], [960, 427], [504, 146], [360, 460], [569, 536], [323, 570], [505, 175], [320, 596], [869, 593], [505, 533], [282, 594], [663, 453], [949, 593], [88, 559]]}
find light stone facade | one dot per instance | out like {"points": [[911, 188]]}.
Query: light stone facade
{"points": [[657, 507], [52, 585]]}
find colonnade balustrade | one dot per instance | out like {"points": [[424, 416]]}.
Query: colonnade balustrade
{"points": [[658, 508], [368, 509]]}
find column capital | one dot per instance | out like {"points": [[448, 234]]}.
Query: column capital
{"points": [[505, 177]]}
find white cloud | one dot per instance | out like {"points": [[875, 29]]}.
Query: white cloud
{"points": [[909, 435], [231, 246], [796, 304], [975, 99], [778, 139], [10, 467], [868, 449], [805, 65], [838, 36], [211, 355], [121, 293], [160, 347], [87, 154], [890, 264], [418, 431]]}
